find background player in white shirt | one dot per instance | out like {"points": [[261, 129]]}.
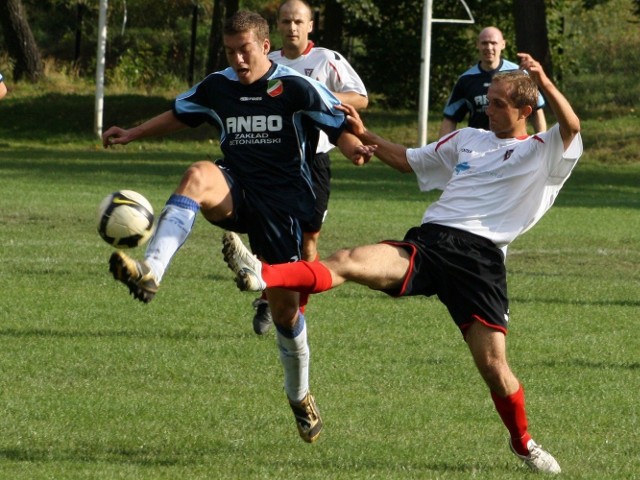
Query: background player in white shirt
{"points": [[295, 23], [496, 185]]}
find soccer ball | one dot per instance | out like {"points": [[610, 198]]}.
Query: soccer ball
{"points": [[125, 219]]}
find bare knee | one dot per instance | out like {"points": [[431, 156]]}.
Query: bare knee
{"points": [[495, 372], [196, 179], [284, 306], [488, 348], [205, 183]]}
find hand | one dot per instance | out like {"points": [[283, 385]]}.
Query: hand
{"points": [[356, 126], [115, 136], [533, 67], [363, 154]]}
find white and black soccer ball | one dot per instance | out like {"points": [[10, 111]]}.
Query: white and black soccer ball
{"points": [[125, 219]]}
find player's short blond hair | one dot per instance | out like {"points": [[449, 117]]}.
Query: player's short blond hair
{"points": [[523, 90]]}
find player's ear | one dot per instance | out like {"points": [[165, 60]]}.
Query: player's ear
{"points": [[526, 111], [266, 46]]}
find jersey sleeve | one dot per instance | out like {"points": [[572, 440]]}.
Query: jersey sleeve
{"points": [[321, 110], [341, 76], [433, 164], [560, 162], [191, 107], [456, 107]]}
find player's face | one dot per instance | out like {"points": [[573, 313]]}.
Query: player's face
{"points": [[247, 56], [294, 26], [490, 46], [505, 119]]}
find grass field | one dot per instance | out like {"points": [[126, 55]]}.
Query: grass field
{"points": [[97, 386]]}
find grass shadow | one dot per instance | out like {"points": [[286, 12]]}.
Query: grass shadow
{"points": [[65, 117]]}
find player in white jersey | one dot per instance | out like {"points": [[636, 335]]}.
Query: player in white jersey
{"points": [[295, 23], [496, 185]]}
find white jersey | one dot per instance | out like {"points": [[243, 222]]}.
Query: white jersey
{"points": [[492, 187], [327, 67]]}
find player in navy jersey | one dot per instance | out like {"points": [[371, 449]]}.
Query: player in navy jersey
{"points": [[496, 185], [269, 116], [469, 94], [295, 23]]}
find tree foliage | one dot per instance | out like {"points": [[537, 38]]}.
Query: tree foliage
{"points": [[149, 42]]}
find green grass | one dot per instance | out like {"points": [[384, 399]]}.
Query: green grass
{"points": [[95, 385]]}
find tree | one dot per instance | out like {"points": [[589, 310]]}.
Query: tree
{"points": [[20, 42], [332, 31], [530, 18], [222, 9]]}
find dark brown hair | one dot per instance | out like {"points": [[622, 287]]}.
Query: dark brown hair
{"points": [[245, 21]]}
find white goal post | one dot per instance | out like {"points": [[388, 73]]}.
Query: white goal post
{"points": [[425, 64]]}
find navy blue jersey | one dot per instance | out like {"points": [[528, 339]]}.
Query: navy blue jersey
{"points": [[469, 95], [269, 131]]}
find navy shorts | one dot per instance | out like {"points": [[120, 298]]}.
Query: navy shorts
{"points": [[321, 176], [464, 270], [274, 236]]}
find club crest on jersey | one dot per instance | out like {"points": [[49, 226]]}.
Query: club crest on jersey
{"points": [[308, 72], [507, 155], [274, 88]]}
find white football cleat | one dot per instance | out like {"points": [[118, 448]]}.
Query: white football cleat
{"points": [[243, 263], [538, 460]]}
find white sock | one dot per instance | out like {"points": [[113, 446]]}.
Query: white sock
{"points": [[294, 355], [175, 224]]}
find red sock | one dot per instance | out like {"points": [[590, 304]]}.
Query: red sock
{"points": [[304, 297], [514, 416], [302, 276]]}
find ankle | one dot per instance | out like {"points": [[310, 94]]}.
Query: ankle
{"points": [[521, 445]]}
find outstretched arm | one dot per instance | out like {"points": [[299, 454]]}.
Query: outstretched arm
{"points": [[354, 149], [567, 118], [162, 124], [393, 154]]}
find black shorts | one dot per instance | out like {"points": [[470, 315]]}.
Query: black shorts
{"points": [[321, 176], [274, 236], [464, 270]]}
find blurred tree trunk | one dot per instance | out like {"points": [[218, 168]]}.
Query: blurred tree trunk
{"points": [[222, 9], [332, 25], [530, 18], [81, 9], [20, 43]]}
